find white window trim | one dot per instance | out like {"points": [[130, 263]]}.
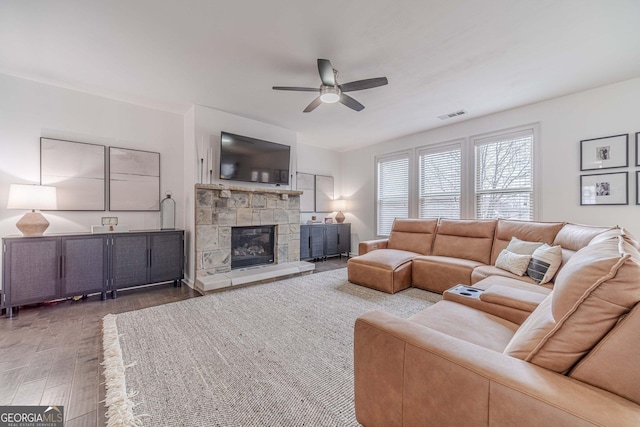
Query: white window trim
{"points": [[489, 137], [411, 202]]}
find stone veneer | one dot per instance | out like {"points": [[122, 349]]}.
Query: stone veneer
{"points": [[218, 208]]}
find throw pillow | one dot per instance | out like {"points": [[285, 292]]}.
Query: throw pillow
{"points": [[514, 263], [545, 262], [522, 247]]}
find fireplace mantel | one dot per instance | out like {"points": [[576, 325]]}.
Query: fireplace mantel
{"points": [[220, 207], [248, 189]]}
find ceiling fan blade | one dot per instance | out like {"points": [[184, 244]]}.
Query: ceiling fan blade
{"points": [[313, 105], [363, 84], [326, 72], [350, 102], [299, 89]]}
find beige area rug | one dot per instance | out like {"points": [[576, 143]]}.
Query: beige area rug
{"points": [[275, 354]]}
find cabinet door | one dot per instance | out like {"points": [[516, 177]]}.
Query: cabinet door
{"points": [[129, 260], [31, 270], [305, 241], [317, 241], [84, 265], [344, 238], [166, 251], [331, 239]]}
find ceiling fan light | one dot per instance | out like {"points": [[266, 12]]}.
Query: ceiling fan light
{"points": [[330, 95]]}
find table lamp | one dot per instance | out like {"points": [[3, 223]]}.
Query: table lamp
{"points": [[33, 197], [339, 205]]}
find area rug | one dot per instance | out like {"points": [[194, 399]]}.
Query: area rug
{"points": [[274, 354]]}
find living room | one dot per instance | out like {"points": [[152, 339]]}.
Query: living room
{"points": [[584, 86]]}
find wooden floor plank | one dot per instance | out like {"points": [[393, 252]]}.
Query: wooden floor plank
{"points": [[29, 393], [57, 396]]}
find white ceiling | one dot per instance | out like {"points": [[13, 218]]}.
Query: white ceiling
{"points": [[440, 56]]}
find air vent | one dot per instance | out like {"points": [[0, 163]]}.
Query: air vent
{"points": [[452, 115]]}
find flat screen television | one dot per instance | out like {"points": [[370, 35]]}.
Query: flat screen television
{"points": [[253, 160]]}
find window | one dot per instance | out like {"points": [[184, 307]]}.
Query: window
{"points": [[504, 176], [392, 191], [439, 182]]}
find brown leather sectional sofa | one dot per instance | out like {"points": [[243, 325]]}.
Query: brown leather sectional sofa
{"points": [[500, 350]]}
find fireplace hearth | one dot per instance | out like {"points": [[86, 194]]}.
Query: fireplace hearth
{"points": [[252, 245]]}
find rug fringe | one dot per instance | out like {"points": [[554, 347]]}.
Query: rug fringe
{"points": [[118, 401]]}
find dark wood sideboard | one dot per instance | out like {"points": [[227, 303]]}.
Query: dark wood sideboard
{"points": [[46, 268], [319, 241]]}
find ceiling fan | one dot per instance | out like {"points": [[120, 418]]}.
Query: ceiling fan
{"points": [[331, 91]]}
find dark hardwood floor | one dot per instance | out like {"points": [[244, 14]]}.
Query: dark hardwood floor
{"points": [[50, 354]]}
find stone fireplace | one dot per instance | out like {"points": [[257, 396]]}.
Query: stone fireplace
{"points": [[219, 209]]}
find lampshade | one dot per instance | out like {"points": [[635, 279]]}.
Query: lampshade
{"points": [[26, 196], [339, 205]]}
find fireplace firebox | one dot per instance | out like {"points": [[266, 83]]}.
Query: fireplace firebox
{"points": [[252, 245]]}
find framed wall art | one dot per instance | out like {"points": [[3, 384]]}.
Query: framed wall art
{"points": [[77, 170], [604, 153], [305, 182], [324, 193], [637, 188], [134, 180], [604, 189], [637, 147]]}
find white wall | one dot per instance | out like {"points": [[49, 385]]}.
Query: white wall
{"points": [[320, 161], [30, 110], [563, 122]]}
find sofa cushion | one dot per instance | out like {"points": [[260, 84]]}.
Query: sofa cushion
{"points": [[544, 263], [530, 231], [573, 237], [437, 273], [614, 233], [595, 288], [513, 262], [466, 239], [414, 235], [467, 324], [384, 258], [514, 282], [512, 297], [386, 270], [484, 271]]}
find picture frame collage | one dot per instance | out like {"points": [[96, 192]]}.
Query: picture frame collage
{"points": [[609, 188], [80, 172]]}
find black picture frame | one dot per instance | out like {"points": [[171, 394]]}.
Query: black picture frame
{"points": [[604, 189], [608, 152], [637, 187], [637, 147]]}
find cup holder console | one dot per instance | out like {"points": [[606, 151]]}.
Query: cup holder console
{"points": [[466, 291]]}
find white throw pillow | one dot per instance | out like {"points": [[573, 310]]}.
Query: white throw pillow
{"points": [[544, 263], [522, 247], [512, 262]]}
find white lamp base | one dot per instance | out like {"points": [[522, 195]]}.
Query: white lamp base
{"points": [[339, 217], [32, 224]]}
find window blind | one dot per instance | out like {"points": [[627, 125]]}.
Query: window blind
{"points": [[504, 176], [392, 195], [439, 175]]}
